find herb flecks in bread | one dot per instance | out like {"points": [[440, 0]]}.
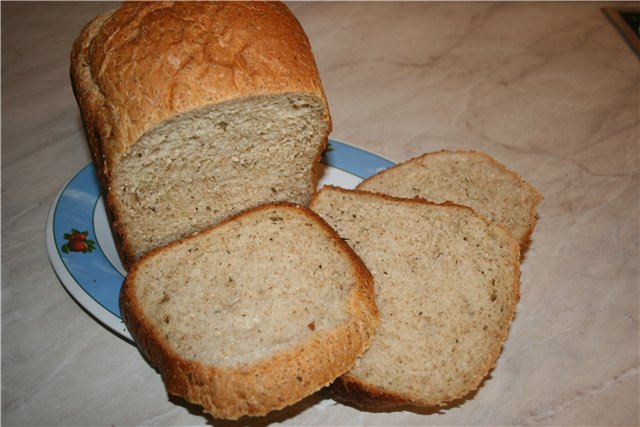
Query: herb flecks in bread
{"points": [[468, 178], [254, 314], [216, 162], [447, 283]]}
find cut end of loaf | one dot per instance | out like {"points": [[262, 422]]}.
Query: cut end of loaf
{"points": [[242, 320], [446, 282], [216, 162]]}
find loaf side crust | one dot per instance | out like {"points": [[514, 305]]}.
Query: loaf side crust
{"points": [[271, 383]]}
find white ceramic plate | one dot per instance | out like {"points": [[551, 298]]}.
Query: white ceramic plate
{"points": [[82, 250]]}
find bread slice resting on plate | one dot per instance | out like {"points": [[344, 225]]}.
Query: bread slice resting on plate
{"points": [[253, 314], [446, 284], [469, 178]]}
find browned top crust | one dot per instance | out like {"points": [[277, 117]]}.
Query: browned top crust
{"points": [[149, 61]]}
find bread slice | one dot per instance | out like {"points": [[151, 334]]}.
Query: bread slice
{"points": [[196, 111], [253, 314], [446, 284], [469, 178]]}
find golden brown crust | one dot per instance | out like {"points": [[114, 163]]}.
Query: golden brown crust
{"points": [[534, 196], [356, 391], [350, 390], [147, 62], [272, 383], [97, 121], [179, 56]]}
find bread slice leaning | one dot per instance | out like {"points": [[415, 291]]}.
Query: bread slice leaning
{"points": [[446, 283], [468, 178], [253, 314], [196, 111]]}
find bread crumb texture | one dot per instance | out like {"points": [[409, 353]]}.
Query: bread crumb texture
{"points": [[216, 162], [253, 314], [243, 293], [446, 284]]}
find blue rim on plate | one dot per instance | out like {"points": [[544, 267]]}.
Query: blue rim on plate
{"points": [[82, 251]]}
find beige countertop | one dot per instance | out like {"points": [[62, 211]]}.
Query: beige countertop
{"points": [[549, 89]]}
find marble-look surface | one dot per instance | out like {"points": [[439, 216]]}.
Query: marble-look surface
{"points": [[549, 89]]}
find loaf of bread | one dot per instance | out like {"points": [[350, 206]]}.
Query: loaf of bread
{"points": [[468, 178], [446, 284], [195, 111], [252, 314]]}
